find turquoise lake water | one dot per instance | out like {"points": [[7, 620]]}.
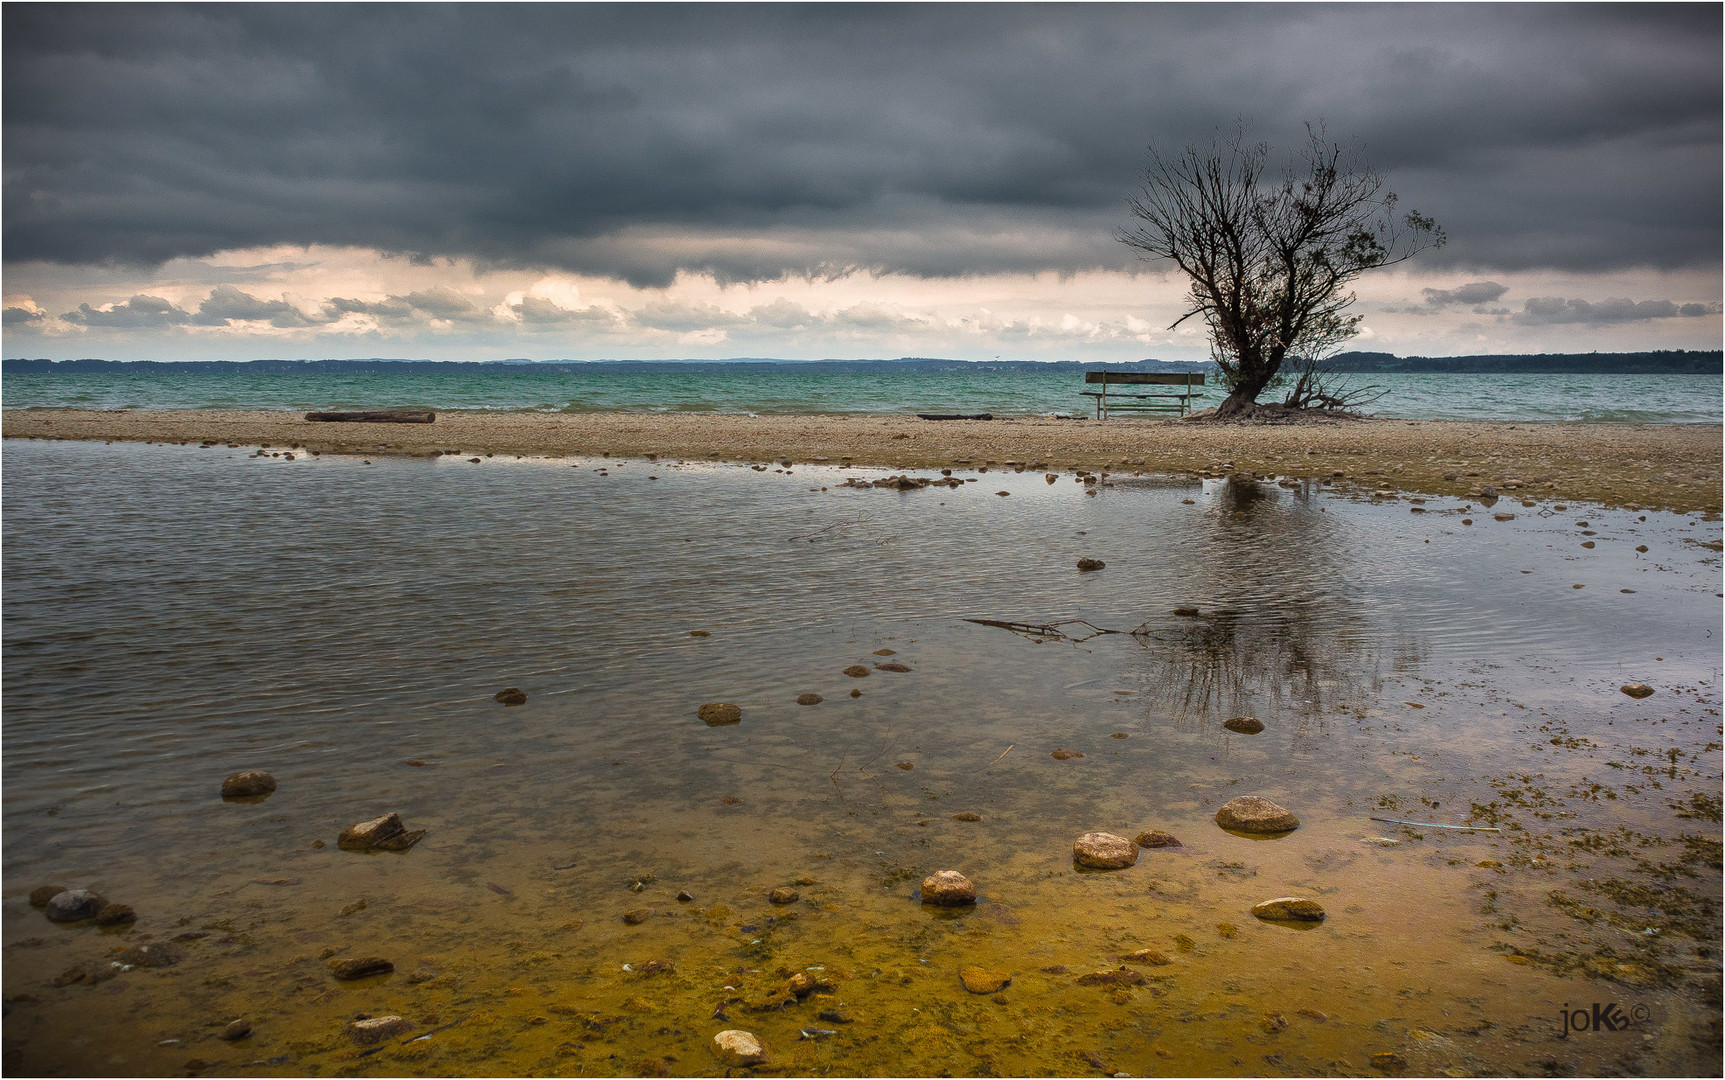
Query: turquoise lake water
{"points": [[800, 389]]}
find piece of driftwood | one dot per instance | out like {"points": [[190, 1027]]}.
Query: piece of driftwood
{"points": [[388, 417], [1435, 825], [955, 416]]}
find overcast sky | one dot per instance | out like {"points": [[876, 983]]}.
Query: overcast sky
{"points": [[557, 181]]}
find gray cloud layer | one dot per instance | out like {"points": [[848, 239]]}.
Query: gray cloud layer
{"points": [[755, 141]]}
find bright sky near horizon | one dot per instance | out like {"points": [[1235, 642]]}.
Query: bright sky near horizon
{"points": [[553, 181]]}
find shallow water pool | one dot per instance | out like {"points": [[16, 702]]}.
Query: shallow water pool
{"points": [[174, 614]]}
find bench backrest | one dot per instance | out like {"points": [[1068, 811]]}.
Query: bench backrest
{"points": [[1162, 378]]}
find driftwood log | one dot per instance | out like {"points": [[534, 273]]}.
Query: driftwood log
{"points": [[393, 417]]}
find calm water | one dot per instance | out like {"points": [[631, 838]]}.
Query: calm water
{"points": [[1654, 399], [175, 614]]}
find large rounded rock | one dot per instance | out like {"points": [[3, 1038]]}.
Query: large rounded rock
{"points": [[948, 888], [73, 905], [1251, 814], [1104, 851], [251, 782], [1156, 838], [1289, 909], [738, 1048], [719, 713]]}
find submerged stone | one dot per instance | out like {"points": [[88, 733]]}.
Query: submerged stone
{"points": [[1148, 956], [1104, 851], [150, 955], [115, 915], [737, 1048], [513, 695], [386, 833], [1121, 976], [359, 967], [1252, 814], [719, 713], [249, 783], [983, 981], [891, 665], [784, 895], [375, 1029], [41, 894], [948, 888], [1289, 909], [857, 671], [1090, 565], [1245, 725], [1063, 754], [1156, 838], [809, 699]]}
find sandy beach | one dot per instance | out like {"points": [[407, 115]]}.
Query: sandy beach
{"points": [[1667, 467]]}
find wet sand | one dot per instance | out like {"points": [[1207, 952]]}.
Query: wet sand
{"points": [[1636, 466]]}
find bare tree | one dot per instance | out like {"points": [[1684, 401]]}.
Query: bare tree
{"points": [[1270, 261]]}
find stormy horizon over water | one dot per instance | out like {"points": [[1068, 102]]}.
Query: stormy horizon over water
{"points": [[1006, 388]]}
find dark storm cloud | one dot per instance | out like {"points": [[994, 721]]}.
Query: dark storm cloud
{"points": [[138, 312], [755, 141], [1473, 293], [1553, 310]]}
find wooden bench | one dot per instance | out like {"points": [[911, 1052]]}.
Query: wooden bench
{"points": [[1109, 400]]}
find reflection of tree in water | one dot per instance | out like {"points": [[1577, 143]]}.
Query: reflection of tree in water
{"points": [[1279, 629]]}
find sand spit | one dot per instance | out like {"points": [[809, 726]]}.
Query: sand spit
{"points": [[1670, 467]]}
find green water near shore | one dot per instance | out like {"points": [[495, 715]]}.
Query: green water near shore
{"points": [[174, 614]]}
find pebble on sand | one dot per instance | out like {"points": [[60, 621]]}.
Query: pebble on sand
{"points": [[980, 980], [1636, 689], [1245, 725], [73, 905], [513, 695], [238, 1029], [1090, 565], [636, 916], [249, 783], [719, 713], [948, 888], [784, 895], [738, 1048], [1156, 838], [1104, 851], [1289, 909], [375, 1029], [1251, 814], [358, 967]]}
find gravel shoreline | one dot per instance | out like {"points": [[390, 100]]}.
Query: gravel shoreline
{"points": [[1636, 466]]}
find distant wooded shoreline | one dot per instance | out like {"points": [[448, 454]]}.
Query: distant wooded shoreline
{"points": [[1668, 362]]}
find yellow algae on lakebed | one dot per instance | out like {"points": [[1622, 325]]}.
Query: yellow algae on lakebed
{"points": [[1657, 466]]}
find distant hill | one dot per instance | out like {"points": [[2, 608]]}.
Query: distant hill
{"points": [[1636, 363], [1678, 362]]}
